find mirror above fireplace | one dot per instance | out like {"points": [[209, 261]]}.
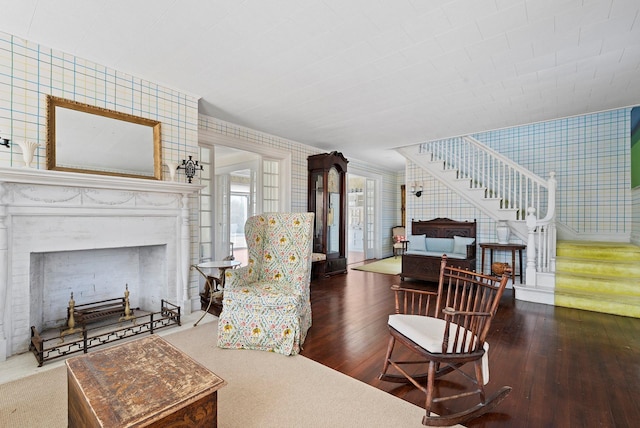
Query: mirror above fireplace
{"points": [[94, 140]]}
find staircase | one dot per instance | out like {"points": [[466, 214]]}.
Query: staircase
{"points": [[504, 191], [595, 276], [494, 184], [598, 276]]}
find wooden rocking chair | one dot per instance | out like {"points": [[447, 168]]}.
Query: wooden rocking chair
{"points": [[447, 329]]}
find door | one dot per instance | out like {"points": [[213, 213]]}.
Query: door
{"points": [[222, 241], [363, 241], [236, 173], [356, 187], [370, 229]]}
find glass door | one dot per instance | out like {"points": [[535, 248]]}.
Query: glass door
{"points": [[370, 219], [356, 220], [363, 218], [222, 232]]}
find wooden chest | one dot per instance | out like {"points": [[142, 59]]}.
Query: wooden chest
{"points": [[142, 383]]}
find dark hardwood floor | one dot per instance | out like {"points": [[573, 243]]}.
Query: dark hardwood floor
{"points": [[567, 367]]}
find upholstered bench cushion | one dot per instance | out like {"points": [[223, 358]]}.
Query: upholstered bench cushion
{"points": [[455, 248], [438, 254]]}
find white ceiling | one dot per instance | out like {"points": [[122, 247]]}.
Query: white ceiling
{"points": [[359, 76]]}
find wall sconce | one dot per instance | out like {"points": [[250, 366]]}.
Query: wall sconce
{"points": [[190, 167], [4, 142], [416, 190]]}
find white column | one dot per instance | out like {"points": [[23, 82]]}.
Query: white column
{"points": [[4, 274], [185, 254]]}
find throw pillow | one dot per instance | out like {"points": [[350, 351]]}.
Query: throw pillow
{"points": [[460, 244], [416, 243]]}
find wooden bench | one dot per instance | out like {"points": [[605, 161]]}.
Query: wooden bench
{"points": [[426, 267], [95, 311]]}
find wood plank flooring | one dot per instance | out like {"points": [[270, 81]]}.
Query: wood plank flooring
{"points": [[567, 367]]}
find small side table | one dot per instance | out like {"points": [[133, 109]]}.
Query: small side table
{"points": [[402, 249], [491, 246], [214, 285]]}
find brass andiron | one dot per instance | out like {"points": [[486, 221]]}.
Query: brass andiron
{"points": [[71, 324], [127, 309]]}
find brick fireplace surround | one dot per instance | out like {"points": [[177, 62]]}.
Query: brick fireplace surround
{"points": [[53, 212]]}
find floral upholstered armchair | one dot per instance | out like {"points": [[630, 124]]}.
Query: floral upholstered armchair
{"points": [[266, 304]]}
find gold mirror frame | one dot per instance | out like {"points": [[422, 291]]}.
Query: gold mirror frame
{"points": [[150, 152]]}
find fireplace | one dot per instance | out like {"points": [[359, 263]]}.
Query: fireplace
{"points": [[94, 275], [91, 235]]}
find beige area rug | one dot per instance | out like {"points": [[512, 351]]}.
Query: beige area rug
{"points": [[264, 390], [390, 266]]}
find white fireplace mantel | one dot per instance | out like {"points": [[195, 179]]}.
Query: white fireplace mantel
{"points": [[93, 181], [43, 210]]}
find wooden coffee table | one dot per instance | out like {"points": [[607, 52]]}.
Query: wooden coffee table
{"points": [[143, 383]]}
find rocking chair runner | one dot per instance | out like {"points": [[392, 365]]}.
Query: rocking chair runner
{"points": [[447, 329]]}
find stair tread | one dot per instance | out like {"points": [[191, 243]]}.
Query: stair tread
{"points": [[604, 244], [559, 266], [591, 250], [588, 276], [629, 308], [620, 293], [617, 279], [622, 298]]}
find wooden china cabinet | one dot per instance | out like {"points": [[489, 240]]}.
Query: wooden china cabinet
{"points": [[327, 200]]}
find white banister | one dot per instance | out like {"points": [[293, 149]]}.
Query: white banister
{"points": [[515, 188], [513, 185]]}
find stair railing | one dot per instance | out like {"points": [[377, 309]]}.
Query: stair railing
{"points": [[503, 179], [516, 188]]}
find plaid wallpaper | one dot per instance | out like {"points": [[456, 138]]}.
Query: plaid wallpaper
{"points": [[29, 72], [391, 180], [590, 155]]}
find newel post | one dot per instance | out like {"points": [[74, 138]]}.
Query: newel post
{"points": [[531, 279]]}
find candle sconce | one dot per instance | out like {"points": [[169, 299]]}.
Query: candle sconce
{"points": [[190, 167], [4, 142], [416, 189]]}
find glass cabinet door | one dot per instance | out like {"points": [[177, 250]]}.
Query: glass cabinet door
{"points": [[327, 200], [333, 214], [318, 209]]}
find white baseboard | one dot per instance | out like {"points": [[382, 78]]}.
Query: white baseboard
{"points": [[535, 295]]}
